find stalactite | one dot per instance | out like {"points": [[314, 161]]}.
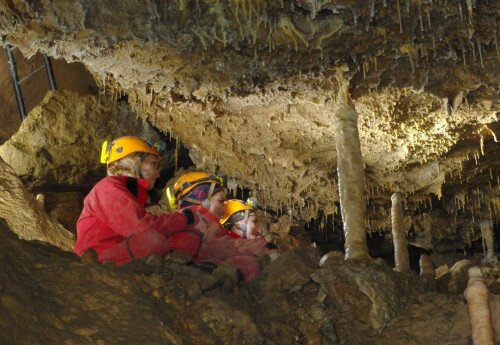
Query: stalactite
{"points": [[399, 17], [350, 173], [469, 10], [479, 48], [473, 50], [177, 146], [463, 58], [429, 19], [496, 45], [420, 16], [476, 295], [401, 257]]}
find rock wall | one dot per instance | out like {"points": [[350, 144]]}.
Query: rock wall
{"points": [[60, 142], [25, 217]]}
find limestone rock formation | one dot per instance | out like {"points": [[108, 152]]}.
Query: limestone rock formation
{"points": [[455, 279], [24, 215], [369, 293], [60, 142], [64, 207], [248, 87]]}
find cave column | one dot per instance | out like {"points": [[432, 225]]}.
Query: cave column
{"points": [[488, 241], [350, 173], [401, 257]]}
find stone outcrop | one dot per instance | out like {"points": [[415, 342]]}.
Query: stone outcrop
{"points": [[455, 279], [58, 298], [60, 142], [369, 294], [24, 215]]}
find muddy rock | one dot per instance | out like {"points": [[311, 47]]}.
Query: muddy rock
{"points": [[298, 263], [25, 216], [491, 274], [59, 299], [232, 324], [433, 319], [370, 293]]}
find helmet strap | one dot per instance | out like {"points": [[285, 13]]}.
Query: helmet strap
{"points": [[208, 201], [244, 225], [139, 170], [194, 201], [244, 228]]}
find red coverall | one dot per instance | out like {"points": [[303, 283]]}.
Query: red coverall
{"points": [[115, 224], [220, 247]]}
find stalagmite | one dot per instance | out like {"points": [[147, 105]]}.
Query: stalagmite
{"points": [[427, 273], [350, 173], [401, 257], [488, 240], [476, 295], [40, 198]]}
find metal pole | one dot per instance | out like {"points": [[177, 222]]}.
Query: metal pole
{"points": [[15, 81], [50, 72]]}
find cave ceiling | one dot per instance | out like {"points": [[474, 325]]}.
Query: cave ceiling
{"points": [[249, 87]]}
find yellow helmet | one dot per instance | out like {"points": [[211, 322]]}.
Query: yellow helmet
{"points": [[188, 181], [124, 146], [233, 206]]}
